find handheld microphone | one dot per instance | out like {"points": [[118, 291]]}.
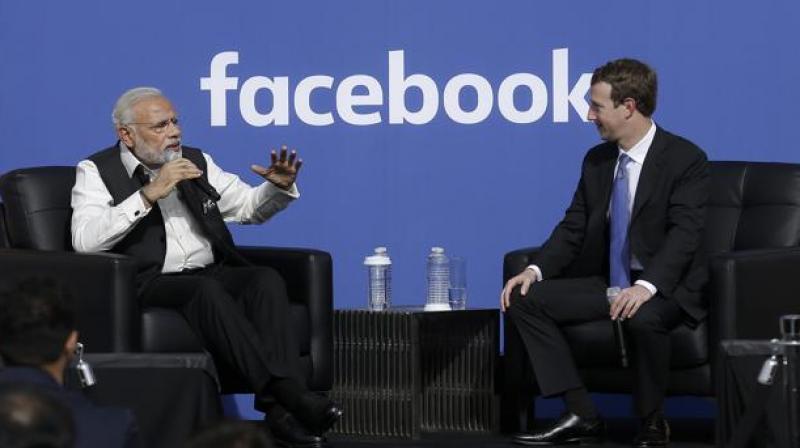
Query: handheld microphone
{"points": [[200, 182], [619, 333]]}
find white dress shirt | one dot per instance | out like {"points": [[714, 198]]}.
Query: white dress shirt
{"points": [[98, 225], [637, 153]]}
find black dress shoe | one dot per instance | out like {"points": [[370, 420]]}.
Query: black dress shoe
{"points": [[654, 432], [568, 429], [317, 412], [290, 433]]}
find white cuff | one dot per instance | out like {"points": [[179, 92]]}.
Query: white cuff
{"points": [[650, 287], [537, 271], [134, 207]]}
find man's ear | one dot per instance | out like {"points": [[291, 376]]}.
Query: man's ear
{"points": [[630, 106], [124, 133], [71, 344]]}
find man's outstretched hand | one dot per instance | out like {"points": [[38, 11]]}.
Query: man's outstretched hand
{"points": [[283, 169]]}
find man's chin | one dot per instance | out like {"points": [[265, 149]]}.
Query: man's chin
{"points": [[173, 153], [605, 136]]}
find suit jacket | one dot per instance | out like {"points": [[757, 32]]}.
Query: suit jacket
{"points": [[666, 228], [95, 426]]}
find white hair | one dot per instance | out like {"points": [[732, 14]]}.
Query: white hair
{"points": [[123, 109]]}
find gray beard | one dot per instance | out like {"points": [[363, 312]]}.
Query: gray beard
{"points": [[170, 155], [152, 158]]}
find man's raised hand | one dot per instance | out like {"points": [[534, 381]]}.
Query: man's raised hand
{"points": [[283, 169]]}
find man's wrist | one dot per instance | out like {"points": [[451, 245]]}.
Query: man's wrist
{"points": [[147, 201], [648, 286], [537, 273]]}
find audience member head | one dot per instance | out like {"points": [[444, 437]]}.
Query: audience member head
{"points": [[30, 418], [37, 326], [231, 434]]}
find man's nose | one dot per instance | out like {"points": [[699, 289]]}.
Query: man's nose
{"points": [[173, 130]]}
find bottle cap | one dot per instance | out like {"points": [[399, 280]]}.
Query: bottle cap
{"points": [[437, 250], [381, 258]]}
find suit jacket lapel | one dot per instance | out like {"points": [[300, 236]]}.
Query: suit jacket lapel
{"points": [[606, 174], [651, 170]]}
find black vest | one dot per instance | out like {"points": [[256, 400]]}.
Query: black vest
{"points": [[147, 242]]}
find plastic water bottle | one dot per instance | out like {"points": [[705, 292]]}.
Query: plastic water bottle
{"points": [[379, 267], [438, 281]]}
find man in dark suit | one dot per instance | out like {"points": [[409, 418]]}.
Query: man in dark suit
{"points": [[635, 221], [37, 342]]}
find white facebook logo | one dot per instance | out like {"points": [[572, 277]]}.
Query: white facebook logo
{"points": [[359, 99]]}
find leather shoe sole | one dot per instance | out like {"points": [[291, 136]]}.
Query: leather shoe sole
{"points": [[569, 441]]}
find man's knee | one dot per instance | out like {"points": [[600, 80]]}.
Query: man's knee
{"points": [[645, 321], [527, 304], [210, 292]]}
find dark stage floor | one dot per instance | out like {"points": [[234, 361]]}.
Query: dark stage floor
{"points": [[690, 433]]}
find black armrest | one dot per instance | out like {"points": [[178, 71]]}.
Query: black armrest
{"points": [[515, 261], [3, 232], [750, 290], [309, 279], [101, 286]]}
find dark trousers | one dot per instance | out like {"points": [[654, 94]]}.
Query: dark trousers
{"points": [[551, 304], [241, 315]]}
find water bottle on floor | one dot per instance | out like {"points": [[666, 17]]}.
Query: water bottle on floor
{"points": [[438, 281], [379, 267]]}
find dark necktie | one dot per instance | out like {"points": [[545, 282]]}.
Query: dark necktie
{"points": [[620, 217], [141, 176]]}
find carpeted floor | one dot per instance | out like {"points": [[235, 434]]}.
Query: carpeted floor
{"points": [[690, 433]]}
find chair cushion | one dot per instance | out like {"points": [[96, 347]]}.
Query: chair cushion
{"points": [[165, 331], [593, 345]]}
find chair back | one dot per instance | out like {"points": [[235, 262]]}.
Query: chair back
{"points": [[37, 207], [753, 205]]}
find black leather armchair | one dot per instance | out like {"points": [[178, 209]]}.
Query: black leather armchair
{"points": [[752, 236], [35, 240]]}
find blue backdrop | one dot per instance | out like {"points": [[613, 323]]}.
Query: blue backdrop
{"points": [[471, 176]]}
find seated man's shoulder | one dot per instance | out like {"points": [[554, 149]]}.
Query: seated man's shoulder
{"points": [[682, 145], [601, 153]]}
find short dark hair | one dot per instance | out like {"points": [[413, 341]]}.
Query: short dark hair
{"points": [[630, 78], [32, 418], [36, 318]]}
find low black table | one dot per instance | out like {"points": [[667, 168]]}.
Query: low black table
{"points": [[404, 371], [171, 394]]}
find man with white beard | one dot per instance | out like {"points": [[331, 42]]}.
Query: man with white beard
{"points": [[166, 205]]}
